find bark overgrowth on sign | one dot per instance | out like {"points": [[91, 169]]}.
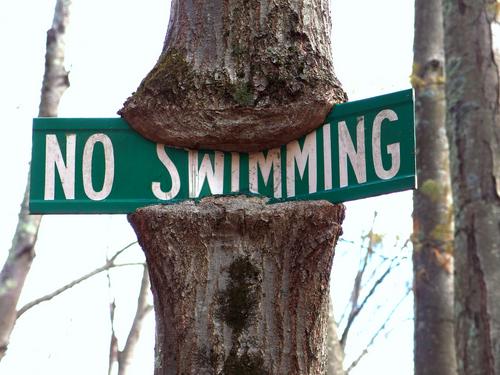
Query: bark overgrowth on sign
{"points": [[249, 76], [246, 284], [238, 76], [365, 148]]}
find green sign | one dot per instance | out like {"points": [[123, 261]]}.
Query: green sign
{"points": [[365, 148]]}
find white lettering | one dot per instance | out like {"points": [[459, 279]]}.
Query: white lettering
{"points": [[53, 160], [347, 151], [327, 152], [235, 172], [393, 149], [109, 167], [257, 161], [174, 175], [295, 156], [214, 175]]}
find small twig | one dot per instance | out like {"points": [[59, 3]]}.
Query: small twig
{"points": [[113, 342], [377, 333], [119, 252], [109, 264], [363, 263], [143, 308], [357, 310]]}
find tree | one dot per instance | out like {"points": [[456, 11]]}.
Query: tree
{"points": [[239, 287], [121, 358], [473, 129], [335, 350], [432, 213], [238, 76], [22, 252]]}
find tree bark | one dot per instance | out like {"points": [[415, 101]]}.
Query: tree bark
{"points": [[22, 252], [238, 75], [473, 124], [432, 207], [240, 287]]}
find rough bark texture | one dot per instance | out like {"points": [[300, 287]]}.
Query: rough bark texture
{"points": [[432, 208], [473, 124], [21, 254], [240, 287], [238, 75]]}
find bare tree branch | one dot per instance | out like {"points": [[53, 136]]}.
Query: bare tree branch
{"points": [[21, 254], [113, 344], [356, 310], [108, 265], [377, 333], [356, 289], [355, 306], [143, 308]]}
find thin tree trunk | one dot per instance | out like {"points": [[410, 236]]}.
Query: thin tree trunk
{"points": [[240, 287], [432, 208], [21, 254], [473, 124], [126, 355], [334, 347], [238, 75]]}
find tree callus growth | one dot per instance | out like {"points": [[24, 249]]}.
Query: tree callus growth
{"points": [[240, 287], [238, 75]]}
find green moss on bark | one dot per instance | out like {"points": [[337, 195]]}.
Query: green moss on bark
{"points": [[172, 77], [237, 304], [243, 94], [246, 364]]}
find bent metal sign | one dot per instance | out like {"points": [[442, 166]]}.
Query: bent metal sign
{"points": [[365, 148]]}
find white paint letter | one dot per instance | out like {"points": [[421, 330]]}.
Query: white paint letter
{"points": [[393, 149], [327, 152], [235, 172], [54, 159], [295, 155], [214, 175], [174, 175], [347, 151], [109, 167], [257, 161]]}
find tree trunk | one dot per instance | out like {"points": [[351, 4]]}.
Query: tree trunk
{"points": [[21, 254], [125, 356], [238, 75], [432, 208], [334, 347], [473, 124], [240, 287]]}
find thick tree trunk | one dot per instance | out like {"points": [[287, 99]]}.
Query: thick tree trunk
{"points": [[238, 75], [21, 254], [473, 124], [432, 207], [240, 287]]}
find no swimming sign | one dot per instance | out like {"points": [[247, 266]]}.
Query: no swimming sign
{"points": [[99, 165]]}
